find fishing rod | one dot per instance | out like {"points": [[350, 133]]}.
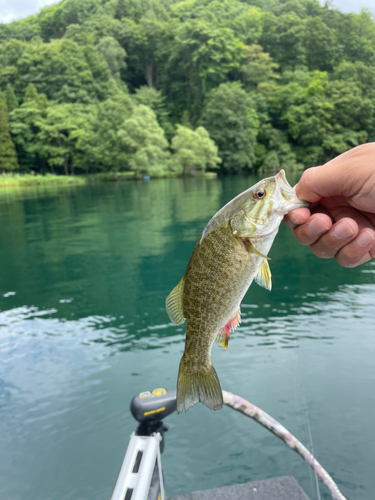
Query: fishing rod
{"points": [[141, 476]]}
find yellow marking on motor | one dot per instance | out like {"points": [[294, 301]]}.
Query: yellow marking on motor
{"points": [[146, 394], [153, 411], [159, 392]]}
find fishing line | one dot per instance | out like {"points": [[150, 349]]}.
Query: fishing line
{"points": [[312, 448], [301, 426]]}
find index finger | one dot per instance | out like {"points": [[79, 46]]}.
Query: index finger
{"points": [[297, 217]]}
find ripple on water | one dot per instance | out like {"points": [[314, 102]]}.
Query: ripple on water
{"points": [[109, 333]]}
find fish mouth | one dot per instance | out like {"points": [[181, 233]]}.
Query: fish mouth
{"points": [[286, 196]]}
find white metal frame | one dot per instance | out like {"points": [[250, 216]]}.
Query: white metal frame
{"points": [[139, 481]]}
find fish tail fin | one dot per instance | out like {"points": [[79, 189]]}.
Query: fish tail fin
{"points": [[198, 383]]}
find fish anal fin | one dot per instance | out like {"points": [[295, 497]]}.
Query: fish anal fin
{"points": [[174, 304], [263, 277]]}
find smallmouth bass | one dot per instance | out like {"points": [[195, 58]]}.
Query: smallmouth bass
{"points": [[230, 253]]}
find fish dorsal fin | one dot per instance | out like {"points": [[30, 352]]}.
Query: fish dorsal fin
{"points": [[174, 304], [263, 277]]}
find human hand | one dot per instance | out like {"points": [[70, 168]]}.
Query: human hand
{"points": [[340, 221]]}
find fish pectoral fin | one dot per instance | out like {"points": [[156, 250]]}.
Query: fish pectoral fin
{"points": [[174, 304], [263, 277], [251, 248]]}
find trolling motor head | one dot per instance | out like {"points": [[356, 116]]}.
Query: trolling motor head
{"points": [[141, 475], [149, 408]]}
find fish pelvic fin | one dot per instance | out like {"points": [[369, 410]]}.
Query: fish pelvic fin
{"points": [[174, 304], [198, 383], [222, 338], [263, 277]]}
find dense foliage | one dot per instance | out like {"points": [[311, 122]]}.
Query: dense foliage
{"points": [[147, 85], [8, 158]]}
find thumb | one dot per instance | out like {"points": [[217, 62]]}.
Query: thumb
{"points": [[317, 183], [342, 176]]}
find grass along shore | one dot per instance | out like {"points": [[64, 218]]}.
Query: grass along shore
{"points": [[8, 180]]}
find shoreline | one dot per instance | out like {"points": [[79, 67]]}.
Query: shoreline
{"points": [[10, 180]]}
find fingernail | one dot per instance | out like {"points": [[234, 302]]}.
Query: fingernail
{"points": [[365, 239], [294, 219], [343, 231], [316, 226]]}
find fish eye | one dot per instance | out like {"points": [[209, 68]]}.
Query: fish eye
{"points": [[259, 194]]}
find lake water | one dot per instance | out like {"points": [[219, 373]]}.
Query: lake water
{"points": [[84, 273]]}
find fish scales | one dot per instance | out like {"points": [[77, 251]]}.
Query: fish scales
{"points": [[216, 278], [230, 253]]}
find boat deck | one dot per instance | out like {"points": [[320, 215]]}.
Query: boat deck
{"points": [[278, 488]]}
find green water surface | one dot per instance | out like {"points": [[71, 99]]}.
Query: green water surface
{"points": [[84, 272]]}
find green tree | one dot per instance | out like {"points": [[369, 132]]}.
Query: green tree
{"points": [[193, 150], [245, 20], [232, 122], [10, 98], [154, 99], [355, 33], [202, 56], [114, 55], [322, 118], [24, 127], [362, 74], [322, 49], [145, 142], [100, 146], [145, 44], [58, 134], [61, 69], [32, 95], [257, 66], [283, 38], [8, 157], [54, 19], [10, 53], [274, 152]]}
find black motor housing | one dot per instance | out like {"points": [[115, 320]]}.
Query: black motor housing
{"points": [[149, 408]]}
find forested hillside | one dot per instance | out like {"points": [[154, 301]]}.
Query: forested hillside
{"points": [[148, 85]]}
